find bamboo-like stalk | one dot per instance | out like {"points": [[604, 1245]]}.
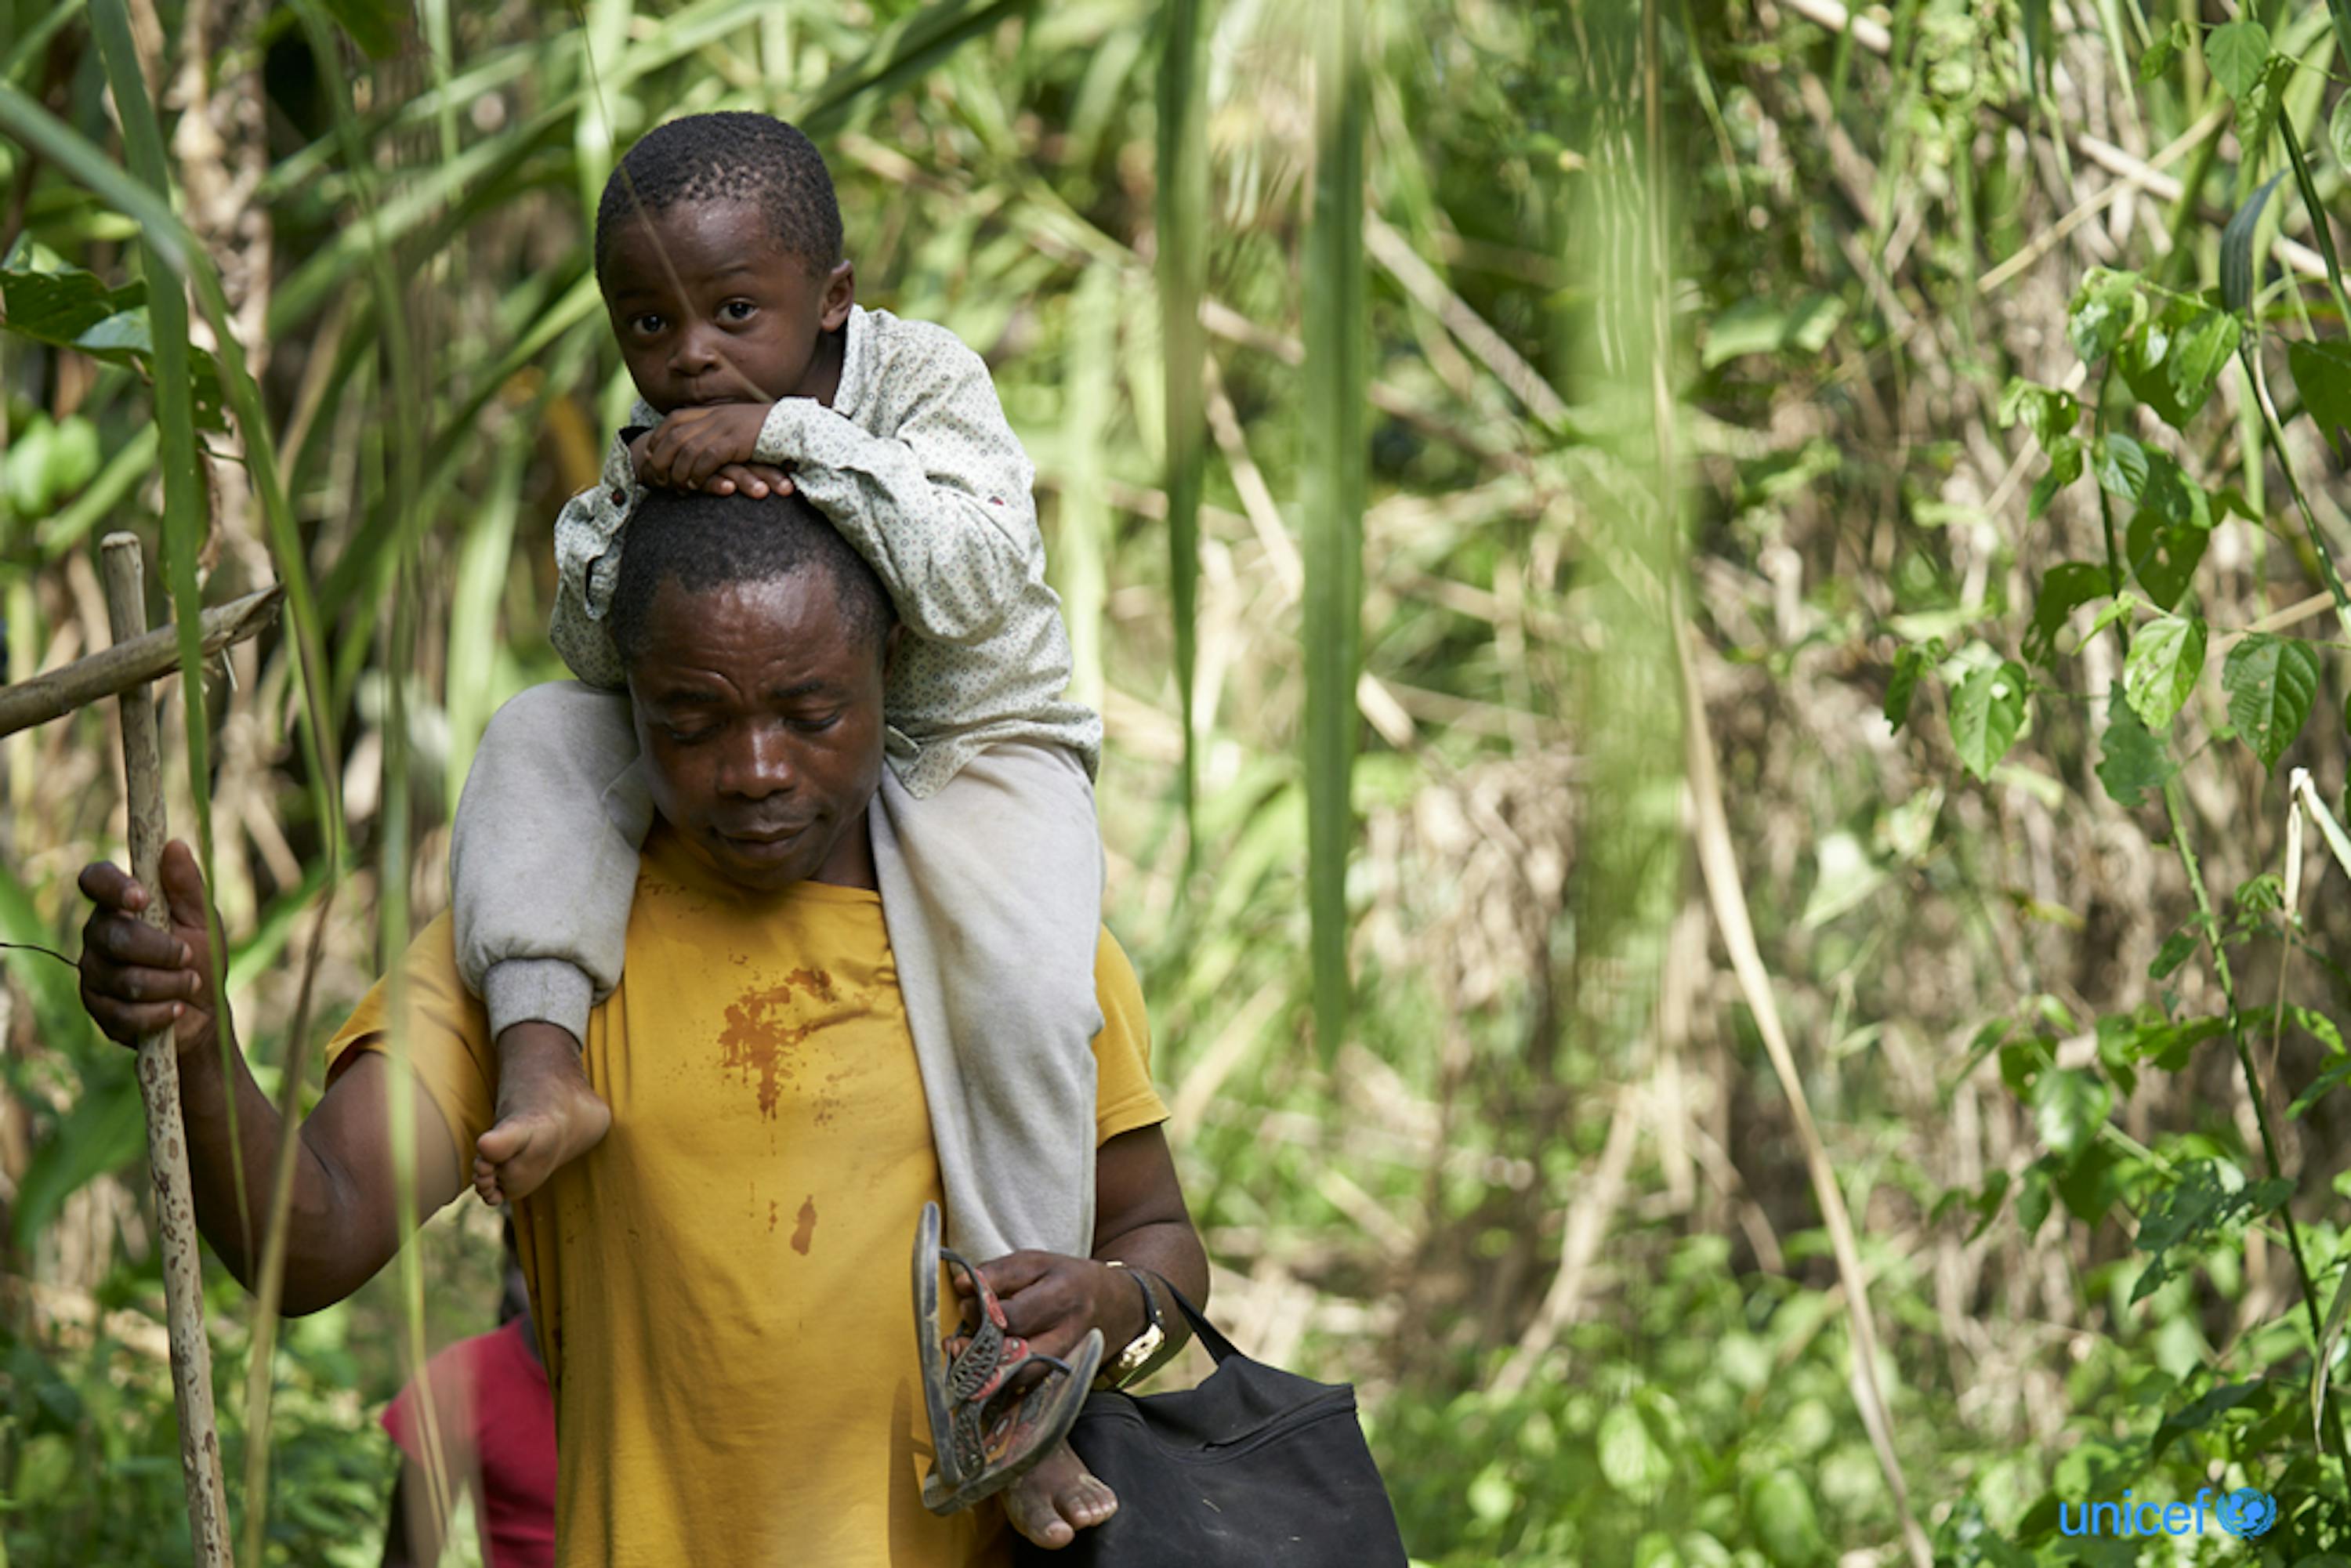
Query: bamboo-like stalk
{"points": [[92, 679], [407, 463], [1336, 453], [159, 1088], [1180, 223]]}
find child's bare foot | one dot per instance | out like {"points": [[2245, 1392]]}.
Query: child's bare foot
{"points": [[1060, 1496], [547, 1116]]}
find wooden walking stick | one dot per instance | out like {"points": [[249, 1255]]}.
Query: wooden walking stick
{"points": [[159, 1086]]}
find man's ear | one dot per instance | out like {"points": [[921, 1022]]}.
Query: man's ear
{"points": [[839, 294]]}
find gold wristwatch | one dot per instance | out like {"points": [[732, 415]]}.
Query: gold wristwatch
{"points": [[1142, 1348]]}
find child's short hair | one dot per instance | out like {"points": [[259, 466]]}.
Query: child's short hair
{"points": [[734, 157]]}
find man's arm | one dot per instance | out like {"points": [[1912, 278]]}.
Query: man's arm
{"points": [[1141, 1220], [342, 1224]]}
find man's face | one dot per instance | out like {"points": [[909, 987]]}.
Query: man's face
{"points": [[709, 307], [759, 714]]}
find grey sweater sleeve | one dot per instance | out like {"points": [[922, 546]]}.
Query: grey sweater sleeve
{"points": [[940, 505]]}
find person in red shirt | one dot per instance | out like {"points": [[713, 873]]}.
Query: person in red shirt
{"points": [[496, 1421]]}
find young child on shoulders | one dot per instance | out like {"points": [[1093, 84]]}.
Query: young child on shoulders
{"points": [[719, 250]]}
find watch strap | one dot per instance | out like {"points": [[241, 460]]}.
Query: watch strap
{"points": [[1145, 1347]]}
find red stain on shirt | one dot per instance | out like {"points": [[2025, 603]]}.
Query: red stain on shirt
{"points": [[760, 1043], [807, 1226]]}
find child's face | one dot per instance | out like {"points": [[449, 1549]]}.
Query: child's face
{"points": [[709, 307]]}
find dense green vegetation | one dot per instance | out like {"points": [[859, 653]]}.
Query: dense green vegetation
{"points": [[1706, 649]]}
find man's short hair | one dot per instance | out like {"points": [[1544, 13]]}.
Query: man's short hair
{"points": [[701, 541], [736, 156]]}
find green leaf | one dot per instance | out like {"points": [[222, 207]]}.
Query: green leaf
{"points": [[1767, 326], [1986, 1204], [2195, 1213], [2196, 1416], [104, 1132], [1986, 713], [2047, 411], [2338, 131], [2092, 1182], [1786, 1524], [2271, 683], [2339, 1072], [2237, 268], [1966, 1540], [2322, 374], [2161, 51], [2169, 528], [1903, 685], [2135, 764], [2065, 587], [2170, 1045], [2104, 309], [2237, 54], [2065, 467], [2068, 1107], [59, 307], [2164, 555], [2177, 949], [70, 308], [2176, 354], [2035, 1197], [2319, 1027], [2160, 674], [2120, 464], [2258, 105], [374, 26], [2125, 605], [1632, 1460]]}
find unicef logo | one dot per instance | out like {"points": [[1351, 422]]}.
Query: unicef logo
{"points": [[2246, 1513]]}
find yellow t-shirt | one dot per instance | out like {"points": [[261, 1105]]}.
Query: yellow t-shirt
{"points": [[721, 1286]]}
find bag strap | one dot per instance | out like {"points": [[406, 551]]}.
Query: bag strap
{"points": [[1220, 1347]]}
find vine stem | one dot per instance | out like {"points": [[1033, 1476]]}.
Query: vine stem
{"points": [[2333, 579], [2174, 806]]}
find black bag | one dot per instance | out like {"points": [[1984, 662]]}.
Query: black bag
{"points": [[1255, 1467]]}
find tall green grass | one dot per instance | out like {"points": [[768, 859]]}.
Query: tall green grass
{"points": [[1332, 279], [1181, 234]]}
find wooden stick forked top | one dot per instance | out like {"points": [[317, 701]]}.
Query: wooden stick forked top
{"points": [[53, 694], [159, 1087]]}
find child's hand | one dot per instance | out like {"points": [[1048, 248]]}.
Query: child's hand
{"points": [[696, 448], [753, 479]]}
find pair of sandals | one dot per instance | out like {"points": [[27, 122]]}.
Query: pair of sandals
{"points": [[991, 1421]]}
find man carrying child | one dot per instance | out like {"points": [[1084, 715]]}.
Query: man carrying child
{"points": [[811, 717]]}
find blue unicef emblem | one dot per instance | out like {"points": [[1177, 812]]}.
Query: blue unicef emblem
{"points": [[2246, 1513]]}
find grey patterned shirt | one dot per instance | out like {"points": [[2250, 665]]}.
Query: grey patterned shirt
{"points": [[916, 465]]}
